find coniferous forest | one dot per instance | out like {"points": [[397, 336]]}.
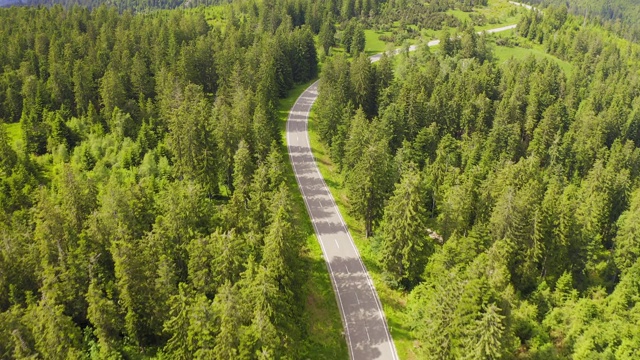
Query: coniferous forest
{"points": [[146, 207], [122, 5], [504, 197]]}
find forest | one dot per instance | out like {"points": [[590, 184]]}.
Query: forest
{"points": [[619, 16], [121, 5], [502, 197], [146, 209]]}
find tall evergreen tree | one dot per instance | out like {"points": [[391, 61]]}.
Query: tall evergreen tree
{"points": [[405, 242], [369, 182], [327, 34]]}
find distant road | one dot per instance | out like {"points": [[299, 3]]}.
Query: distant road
{"points": [[365, 326], [529, 7]]}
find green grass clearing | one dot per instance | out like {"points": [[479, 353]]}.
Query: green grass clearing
{"points": [[459, 14], [500, 12], [373, 44], [14, 131], [215, 15], [326, 338], [497, 14], [503, 53]]}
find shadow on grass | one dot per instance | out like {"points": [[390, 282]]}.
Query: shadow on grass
{"points": [[321, 160], [398, 331], [332, 183], [325, 341]]}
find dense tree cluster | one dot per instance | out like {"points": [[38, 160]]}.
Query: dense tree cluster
{"points": [[619, 16], [504, 197], [422, 15], [121, 5], [143, 207]]}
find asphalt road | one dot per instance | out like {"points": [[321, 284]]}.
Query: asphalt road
{"points": [[366, 329], [365, 326]]}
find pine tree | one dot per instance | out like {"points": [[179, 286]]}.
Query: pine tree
{"points": [[281, 240], [227, 140], [405, 242], [446, 43], [191, 141], [347, 33], [369, 183], [135, 288], [627, 241], [362, 77], [140, 77], [242, 168], [335, 95], [82, 81], [357, 41], [327, 34], [8, 157], [229, 254], [225, 305], [179, 345], [264, 130], [384, 73], [103, 315], [489, 334], [112, 92], [359, 129], [56, 335]]}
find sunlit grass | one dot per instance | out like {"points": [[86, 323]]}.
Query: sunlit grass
{"points": [[503, 53], [14, 131], [213, 14], [373, 44]]}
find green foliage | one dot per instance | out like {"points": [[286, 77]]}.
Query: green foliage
{"points": [[525, 182], [136, 209], [327, 35], [370, 174], [405, 243]]}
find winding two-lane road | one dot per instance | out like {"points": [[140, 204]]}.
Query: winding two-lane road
{"points": [[362, 316], [365, 326]]}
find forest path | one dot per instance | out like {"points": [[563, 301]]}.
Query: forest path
{"points": [[365, 326]]}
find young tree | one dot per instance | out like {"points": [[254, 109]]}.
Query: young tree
{"points": [[225, 306], [357, 41], [488, 334]]}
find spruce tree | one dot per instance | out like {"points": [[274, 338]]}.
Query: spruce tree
{"points": [[327, 34], [405, 242], [488, 333], [369, 183]]}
